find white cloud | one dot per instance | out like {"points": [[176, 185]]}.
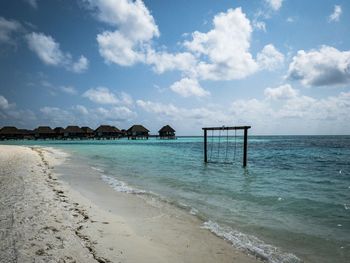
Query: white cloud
{"points": [[164, 61], [226, 47], [324, 67], [283, 92], [7, 28], [102, 95], [81, 109], [4, 104], [32, 3], [334, 17], [136, 28], [120, 113], [270, 58], [187, 87], [49, 52], [116, 48], [260, 25], [185, 116], [81, 65], [69, 90], [274, 4]]}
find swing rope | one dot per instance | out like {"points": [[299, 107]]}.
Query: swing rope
{"points": [[211, 145], [226, 145], [219, 145], [234, 153]]}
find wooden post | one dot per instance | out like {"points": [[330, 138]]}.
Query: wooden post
{"points": [[245, 147], [205, 146]]}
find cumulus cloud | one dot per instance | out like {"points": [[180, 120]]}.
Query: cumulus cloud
{"points": [[187, 87], [164, 61], [260, 25], [69, 90], [81, 109], [102, 95], [274, 4], [81, 65], [334, 17], [7, 29], [324, 67], [4, 104], [201, 115], [136, 28], [50, 53], [225, 47], [270, 58], [282, 92]]}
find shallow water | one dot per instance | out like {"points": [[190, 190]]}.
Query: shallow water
{"points": [[291, 203]]}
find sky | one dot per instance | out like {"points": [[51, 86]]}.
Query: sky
{"points": [[280, 66]]}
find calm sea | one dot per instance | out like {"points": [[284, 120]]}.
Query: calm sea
{"points": [[291, 204]]}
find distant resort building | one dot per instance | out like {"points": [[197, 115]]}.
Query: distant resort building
{"points": [[137, 132], [73, 132], [107, 132], [167, 132], [88, 132], [10, 132], [26, 134], [44, 132]]}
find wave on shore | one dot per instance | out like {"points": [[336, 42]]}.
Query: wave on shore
{"points": [[251, 244], [248, 243]]}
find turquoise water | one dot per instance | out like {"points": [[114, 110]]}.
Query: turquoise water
{"points": [[291, 204]]}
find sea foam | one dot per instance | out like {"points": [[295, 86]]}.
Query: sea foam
{"points": [[120, 186], [251, 244]]}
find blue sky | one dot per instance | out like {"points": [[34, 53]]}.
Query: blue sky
{"points": [[282, 67]]}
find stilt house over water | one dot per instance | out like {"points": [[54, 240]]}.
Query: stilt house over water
{"points": [[44, 132], [10, 132], [167, 132], [73, 132], [58, 132], [137, 132], [88, 132], [107, 132]]}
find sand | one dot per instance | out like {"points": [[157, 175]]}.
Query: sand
{"points": [[52, 215]]}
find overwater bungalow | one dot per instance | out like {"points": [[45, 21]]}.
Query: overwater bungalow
{"points": [[59, 132], [44, 132], [167, 132], [137, 132], [73, 132], [26, 134], [10, 132], [107, 132], [88, 132]]}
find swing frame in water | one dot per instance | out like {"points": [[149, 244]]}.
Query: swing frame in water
{"points": [[223, 128]]}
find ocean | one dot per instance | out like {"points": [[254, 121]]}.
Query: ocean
{"points": [[290, 204]]}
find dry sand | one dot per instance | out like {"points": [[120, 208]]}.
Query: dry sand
{"points": [[46, 219]]}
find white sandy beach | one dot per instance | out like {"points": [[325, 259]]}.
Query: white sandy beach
{"points": [[46, 219]]}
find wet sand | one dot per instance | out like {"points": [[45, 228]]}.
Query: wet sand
{"points": [[53, 214]]}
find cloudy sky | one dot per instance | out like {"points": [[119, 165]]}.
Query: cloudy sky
{"points": [[281, 66]]}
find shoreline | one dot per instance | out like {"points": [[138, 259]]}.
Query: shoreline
{"points": [[114, 227]]}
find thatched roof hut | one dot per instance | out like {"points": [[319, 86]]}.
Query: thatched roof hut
{"points": [[87, 130], [166, 132], [58, 130], [73, 132], [44, 132], [138, 131], [107, 131], [9, 132]]}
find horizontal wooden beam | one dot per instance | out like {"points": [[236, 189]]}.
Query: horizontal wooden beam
{"points": [[227, 128]]}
